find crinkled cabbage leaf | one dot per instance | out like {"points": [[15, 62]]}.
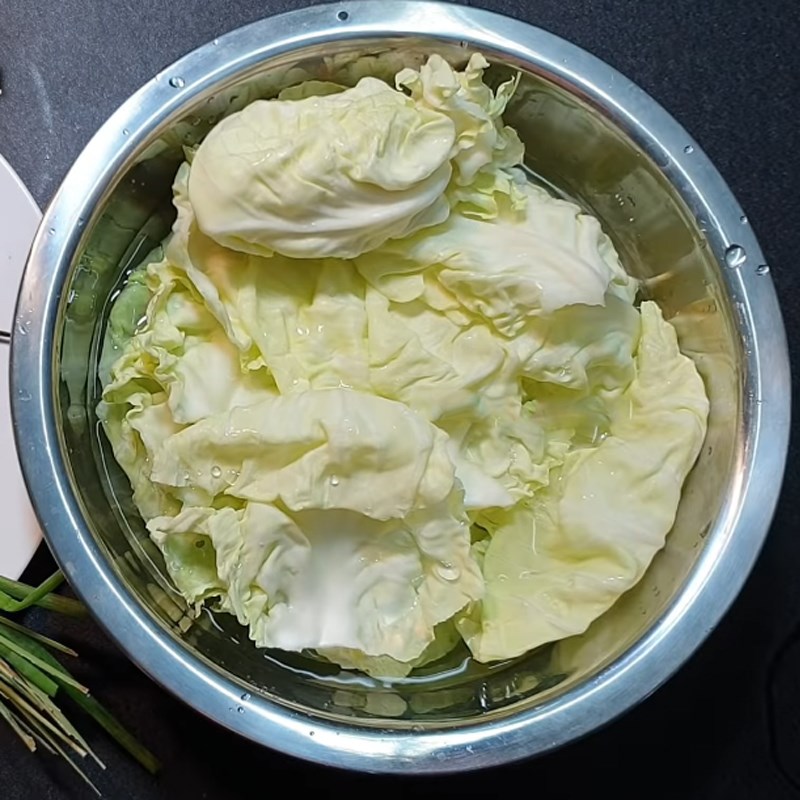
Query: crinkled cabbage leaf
{"points": [[324, 173], [554, 565]]}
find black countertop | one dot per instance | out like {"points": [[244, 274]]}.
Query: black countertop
{"points": [[728, 71]]}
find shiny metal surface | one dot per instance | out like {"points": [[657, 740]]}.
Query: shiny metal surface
{"points": [[591, 134]]}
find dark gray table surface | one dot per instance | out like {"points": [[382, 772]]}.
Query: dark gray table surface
{"points": [[728, 724]]}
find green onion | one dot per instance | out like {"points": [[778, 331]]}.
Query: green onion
{"points": [[14, 590], [51, 643], [31, 679]]}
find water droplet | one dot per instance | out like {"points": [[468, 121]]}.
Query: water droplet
{"points": [[24, 395], [334, 480], [762, 269], [125, 131], [177, 82], [735, 256], [245, 697], [216, 472], [743, 219], [527, 573], [51, 231], [215, 42], [447, 571], [688, 149], [22, 328], [240, 709]]}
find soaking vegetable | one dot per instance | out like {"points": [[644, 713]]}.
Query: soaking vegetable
{"points": [[386, 394]]}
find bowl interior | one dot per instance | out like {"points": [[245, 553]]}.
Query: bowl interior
{"points": [[573, 148]]}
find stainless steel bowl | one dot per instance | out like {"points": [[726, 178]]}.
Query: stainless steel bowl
{"points": [[592, 134]]}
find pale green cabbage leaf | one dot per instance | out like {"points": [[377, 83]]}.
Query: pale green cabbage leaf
{"points": [[553, 566], [506, 270], [353, 533], [326, 171]]}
